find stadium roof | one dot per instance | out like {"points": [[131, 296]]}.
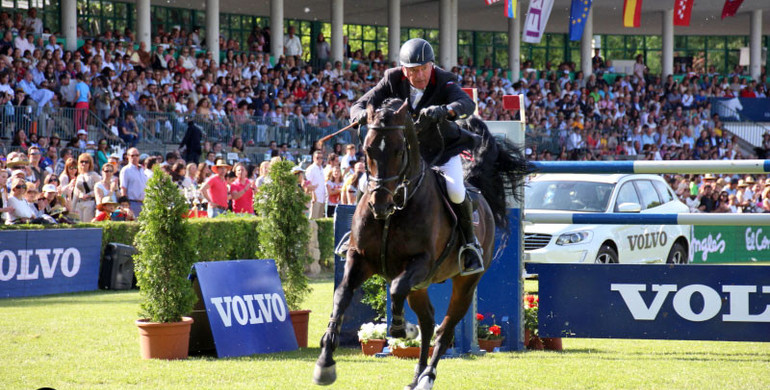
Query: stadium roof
{"points": [[476, 15]]}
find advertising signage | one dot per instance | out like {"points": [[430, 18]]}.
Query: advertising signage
{"points": [[41, 262], [680, 302], [730, 244]]}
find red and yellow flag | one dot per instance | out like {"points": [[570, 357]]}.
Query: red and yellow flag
{"points": [[632, 13]]}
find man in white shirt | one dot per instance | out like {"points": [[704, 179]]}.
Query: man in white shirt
{"points": [[314, 174], [292, 45]]}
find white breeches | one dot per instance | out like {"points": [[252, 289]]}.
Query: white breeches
{"points": [[453, 172]]}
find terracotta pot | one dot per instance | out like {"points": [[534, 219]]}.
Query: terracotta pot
{"points": [[535, 343], [300, 320], [164, 340], [409, 352], [490, 345], [552, 343], [373, 346]]}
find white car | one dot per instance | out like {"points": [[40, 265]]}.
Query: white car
{"points": [[617, 193]]}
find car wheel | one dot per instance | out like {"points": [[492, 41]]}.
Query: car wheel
{"points": [[677, 255], [606, 255]]}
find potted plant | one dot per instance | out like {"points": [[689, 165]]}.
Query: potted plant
{"points": [[489, 336], [409, 348], [372, 337], [531, 339], [284, 233], [162, 265]]}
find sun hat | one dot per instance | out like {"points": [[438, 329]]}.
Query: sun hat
{"points": [[750, 180], [106, 201], [82, 132], [49, 188], [297, 169], [18, 160], [742, 183], [220, 163], [709, 176]]}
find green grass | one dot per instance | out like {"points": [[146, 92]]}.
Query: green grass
{"points": [[89, 340]]}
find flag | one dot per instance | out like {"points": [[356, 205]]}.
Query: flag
{"points": [[682, 11], [510, 8], [577, 18], [731, 7], [537, 18], [632, 13], [490, 2]]}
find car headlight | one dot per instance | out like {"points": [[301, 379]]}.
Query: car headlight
{"points": [[573, 238]]}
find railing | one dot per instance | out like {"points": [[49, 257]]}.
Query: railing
{"points": [[63, 122], [169, 128]]}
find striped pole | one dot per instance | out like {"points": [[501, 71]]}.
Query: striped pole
{"points": [[645, 166], [706, 219]]}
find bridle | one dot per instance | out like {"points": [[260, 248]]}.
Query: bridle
{"points": [[376, 183]]}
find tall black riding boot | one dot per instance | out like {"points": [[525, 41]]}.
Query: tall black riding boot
{"points": [[471, 261]]}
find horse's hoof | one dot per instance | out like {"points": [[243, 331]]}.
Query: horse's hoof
{"points": [[426, 379], [324, 376], [398, 332]]}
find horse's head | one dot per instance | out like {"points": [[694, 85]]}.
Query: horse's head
{"points": [[387, 157]]}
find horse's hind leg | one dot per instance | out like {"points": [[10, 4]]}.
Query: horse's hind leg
{"points": [[420, 303], [355, 274]]}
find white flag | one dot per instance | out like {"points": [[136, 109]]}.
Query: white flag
{"points": [[537, 18]]}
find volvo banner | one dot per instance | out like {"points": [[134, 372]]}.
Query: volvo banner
{"points": [[41, 262], [246, 307], [681, 302]]}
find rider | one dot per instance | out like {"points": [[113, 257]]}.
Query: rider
{"points": [[432, 92]]}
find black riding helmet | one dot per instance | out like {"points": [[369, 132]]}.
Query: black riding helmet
{"points": [[415, 52]]}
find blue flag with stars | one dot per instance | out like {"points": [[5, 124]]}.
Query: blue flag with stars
{"points": [[577, 18]]}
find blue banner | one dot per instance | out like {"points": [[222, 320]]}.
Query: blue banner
{"points": [[246, 307], [577, 18], [683, 302], [41, 262], [741, 109]]}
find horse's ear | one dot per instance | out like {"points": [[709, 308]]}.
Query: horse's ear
{"points": [[369, 113], [402, 111]]}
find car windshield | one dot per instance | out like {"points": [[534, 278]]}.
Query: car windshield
{"points": [[568, 195]]}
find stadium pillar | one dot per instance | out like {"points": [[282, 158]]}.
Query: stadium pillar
{"points": [[212, 28], [453, 37], [394, 29], [143, 27], [338, 49], [667, 58], [69, 14], [444, 33], [276, 29], [755, 45], [514, 45], [586, 41]]}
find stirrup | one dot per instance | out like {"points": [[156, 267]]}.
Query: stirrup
{"points": [[342, 248], [476, 250]]}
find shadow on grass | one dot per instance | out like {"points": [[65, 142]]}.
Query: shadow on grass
{"points": [[111, 297]]}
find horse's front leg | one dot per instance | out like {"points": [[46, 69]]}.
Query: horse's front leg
{"points": [[420, 303], [400, 287], [356, 272]]}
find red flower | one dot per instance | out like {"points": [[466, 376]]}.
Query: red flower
{"points": [[495, 330], [479, 317]]}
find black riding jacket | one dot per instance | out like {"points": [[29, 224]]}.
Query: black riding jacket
{"points": [[437, 143]]}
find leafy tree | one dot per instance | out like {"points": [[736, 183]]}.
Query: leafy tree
{"points": [[284, 231], [165, 255]]}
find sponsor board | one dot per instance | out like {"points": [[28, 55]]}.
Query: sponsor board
{"points": [[41, 262], [709, 302], [246, 307], [730, 244]]}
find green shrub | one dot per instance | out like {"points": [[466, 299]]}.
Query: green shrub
{"points": [[284, 231], [165, 253], [326, 241], [375, 295]]}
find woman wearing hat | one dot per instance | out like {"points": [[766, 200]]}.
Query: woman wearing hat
{"points": [[106, 206], [214, 190], [54, 205], [22, 212]]}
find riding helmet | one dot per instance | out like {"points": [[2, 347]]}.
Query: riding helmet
{"points": [[415, 52]]}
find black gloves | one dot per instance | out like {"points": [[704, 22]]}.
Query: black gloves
{"points": [[360, 118], [435, 113]]}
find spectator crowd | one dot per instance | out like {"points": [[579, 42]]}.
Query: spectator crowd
{"points": [[571, 115]]}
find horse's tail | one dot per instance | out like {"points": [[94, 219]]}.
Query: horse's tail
{"points": [[498, 167]]}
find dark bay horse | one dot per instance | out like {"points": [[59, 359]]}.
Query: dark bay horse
{"points": [[401, 227]]}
